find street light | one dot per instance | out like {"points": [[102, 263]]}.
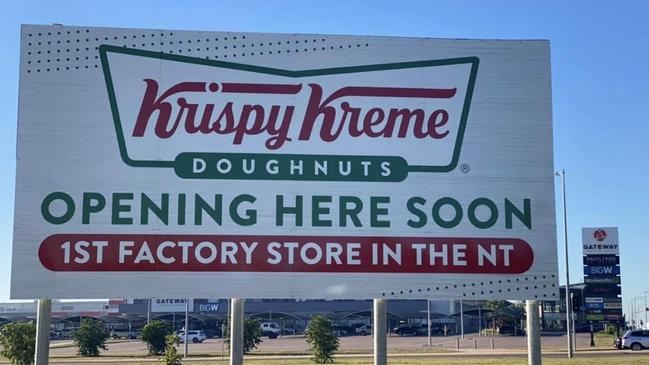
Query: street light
{"points": [[562, 173], [646, 309]]}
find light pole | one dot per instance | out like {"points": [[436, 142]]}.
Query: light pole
{"points": [[565, 247], [635, 315], [646, 309]]}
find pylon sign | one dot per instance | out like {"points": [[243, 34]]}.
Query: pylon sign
{"points": [[601, 252]]}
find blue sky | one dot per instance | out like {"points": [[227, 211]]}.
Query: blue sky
{"points": [[600, 78]]}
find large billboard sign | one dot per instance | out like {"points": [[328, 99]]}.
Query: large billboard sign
{"points": [[212, 164]]}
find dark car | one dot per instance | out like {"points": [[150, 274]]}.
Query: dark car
{"points": [[406, 330], [342, 330], [438, 329], [585, 327], [508, 329]]}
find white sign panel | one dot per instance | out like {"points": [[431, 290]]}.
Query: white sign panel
{"points": [[170, 304], [600, 241], [212, 164]]}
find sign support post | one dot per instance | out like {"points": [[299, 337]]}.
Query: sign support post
{"points": [[236, 331], [428, 321], [462, 318], [43, 318], [533, 333], [186, 349], [380, 332]]}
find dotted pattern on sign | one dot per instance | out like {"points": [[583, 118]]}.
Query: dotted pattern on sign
{"points": [[71, 48], [516, 286]]}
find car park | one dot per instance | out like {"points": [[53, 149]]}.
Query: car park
{"points": [[635, 340]]}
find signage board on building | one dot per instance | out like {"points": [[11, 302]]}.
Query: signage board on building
{"points": [[171, 304], [595, 317], [207, 307], [602, 260], [602, 290], [600, 270], [600, 241], [602, 280], [593, 300], [202, 164]]}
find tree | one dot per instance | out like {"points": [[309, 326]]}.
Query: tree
{"points": [[495, 308], [90, 337], [171, 356], [321, 339], [502, 312], [18, 342], [154, 335], [251, 334]]}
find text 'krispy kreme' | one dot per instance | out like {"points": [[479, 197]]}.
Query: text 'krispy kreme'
{"points": [[337, 113]]}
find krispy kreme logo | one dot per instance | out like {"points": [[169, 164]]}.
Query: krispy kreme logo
{"points": [[210, 119]]}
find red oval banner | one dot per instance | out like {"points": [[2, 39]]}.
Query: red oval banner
{"points": [[256, 253]]}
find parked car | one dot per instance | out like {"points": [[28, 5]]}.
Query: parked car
{"points": [[270, 329], [354, 326], [116, 333], [342, 330], [440, 328], [363, 330], [585, 327], [405, 330], [508, 329], [212, 332], [635, 340], [67, 332], [193, 336], [55, 335]]}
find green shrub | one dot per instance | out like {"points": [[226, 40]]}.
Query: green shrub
{"points": [[251, 334], [154, 335], [171, 356], [90, 337], [18, 342], [321, 339]]}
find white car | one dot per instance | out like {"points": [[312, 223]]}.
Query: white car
{"points": [[635, 340], [363, 330], [192, 336], [270, 329]]}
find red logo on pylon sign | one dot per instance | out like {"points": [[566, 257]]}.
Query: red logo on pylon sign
{"points": [[599, 234]]}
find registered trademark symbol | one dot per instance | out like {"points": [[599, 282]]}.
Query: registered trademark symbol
{"points": [[465, 168]]}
